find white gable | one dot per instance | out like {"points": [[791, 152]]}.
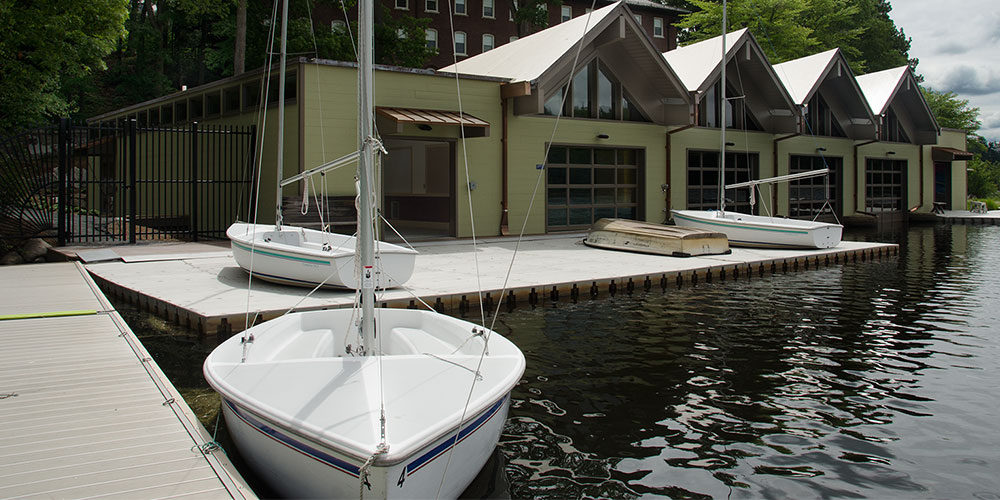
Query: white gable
{"points": [[527, 58], [879, 87], [695, 63], [801, 76]]}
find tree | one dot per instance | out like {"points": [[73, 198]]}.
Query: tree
{"points": [[952, 112], [47, 42], [790, 29]]}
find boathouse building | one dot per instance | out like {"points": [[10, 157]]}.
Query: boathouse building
{"points": [[638, 133]]}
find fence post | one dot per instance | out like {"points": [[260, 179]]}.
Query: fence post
{"points": [[63, 168], [133, 183], [193, 144]]}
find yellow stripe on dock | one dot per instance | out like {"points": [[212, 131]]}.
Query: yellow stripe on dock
{"points": [[53, 314]]}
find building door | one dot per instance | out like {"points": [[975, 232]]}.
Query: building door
{"points": [[885, 185], [808, 197], [584, 184], [703, 180], [419, 188], [942, 183]]}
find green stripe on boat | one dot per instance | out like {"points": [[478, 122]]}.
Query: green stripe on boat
{"points": [[280, 256], [755, 228]]}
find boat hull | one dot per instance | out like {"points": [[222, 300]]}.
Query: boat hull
{"points": [[309, 258], [762, 232], [297, 467], [658, 239], [307, 415]]}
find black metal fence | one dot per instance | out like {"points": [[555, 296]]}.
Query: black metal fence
{"points": [[124, 182]]}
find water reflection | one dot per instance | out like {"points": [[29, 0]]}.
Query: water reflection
{"points": [[870, 379]]}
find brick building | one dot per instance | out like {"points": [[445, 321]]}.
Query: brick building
{"points": [[481, 25]]}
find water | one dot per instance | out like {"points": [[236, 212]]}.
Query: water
{"points": [[876, 380]]}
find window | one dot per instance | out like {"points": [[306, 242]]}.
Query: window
{"points": [[891, 130], [431, 35], [196, 107], [594, 93], [586, 184], [703, 180], [737, 115], [460, 43], [808, 197], [513, 8], [566, 13], [430, 5], [657, 27], [401, 33], [513, 38], [231, 100], [403, 4], [213, 104], [460, 8], [338, 26], [488, 9], [638, 18], [181, 112], [488, 42], [885, 181], [820, 120]]}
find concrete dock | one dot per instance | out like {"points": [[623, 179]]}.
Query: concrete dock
{"points": [[84, 410], [201, 287]]}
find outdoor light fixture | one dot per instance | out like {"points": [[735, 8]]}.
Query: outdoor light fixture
{"points": [[603, 136], [890, 152], [730, 144], [424, 127], [820, 149]]}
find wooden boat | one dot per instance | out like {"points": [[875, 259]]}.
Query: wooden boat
{"points": [[334, 404], [659, 239], [761, 231]]}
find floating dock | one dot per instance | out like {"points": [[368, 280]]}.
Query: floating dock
{"points": [[989, 218], [201, 287], [85, 412]]}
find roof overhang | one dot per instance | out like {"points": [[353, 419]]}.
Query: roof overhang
{"points": [[949, 154], [426, 118]]}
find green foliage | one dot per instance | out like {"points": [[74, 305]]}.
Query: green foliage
{"points": [[984, 169], [790, 29], [952, 112], [46, 42], [532, 15]]}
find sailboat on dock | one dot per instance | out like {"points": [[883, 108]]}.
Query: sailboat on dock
{"points": [[759, 231], [381, 402], [308, 257]]}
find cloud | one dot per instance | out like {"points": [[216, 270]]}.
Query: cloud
{"points": [[967, 80], [952, 48], [991, 120]]}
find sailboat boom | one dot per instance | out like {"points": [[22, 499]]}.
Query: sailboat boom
{"points": [[780, 178]]}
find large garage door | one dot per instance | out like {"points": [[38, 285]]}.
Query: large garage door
{"points": [[885, 185], [585, 184]]}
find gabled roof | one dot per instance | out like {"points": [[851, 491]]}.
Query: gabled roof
{"points": [[880, 87], [829, 74], [699, 67], [696, 63], [526, 59], [897, 89], [802, 77], [611, 34]]}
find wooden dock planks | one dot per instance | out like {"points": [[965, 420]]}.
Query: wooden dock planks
{"points": [[84, 411]]}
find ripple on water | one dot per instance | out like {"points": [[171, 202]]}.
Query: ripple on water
{"points": [[872, 379]]}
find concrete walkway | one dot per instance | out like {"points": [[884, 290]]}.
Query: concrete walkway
{"points": [[208, 292]]}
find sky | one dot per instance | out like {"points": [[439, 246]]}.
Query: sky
{"points": [[958, 44]]}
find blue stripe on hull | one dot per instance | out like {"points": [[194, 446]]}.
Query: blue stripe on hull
{"points": [[354, 470]]}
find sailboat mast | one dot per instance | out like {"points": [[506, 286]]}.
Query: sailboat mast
{"points": [[281, 113], [366, 163], [722, 122]]}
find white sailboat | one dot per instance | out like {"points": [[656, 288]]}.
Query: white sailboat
{"points": [[756, 230], [302, 256], [381, 403]]}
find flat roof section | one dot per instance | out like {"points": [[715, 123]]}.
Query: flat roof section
{"points": [[85, 412]]}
